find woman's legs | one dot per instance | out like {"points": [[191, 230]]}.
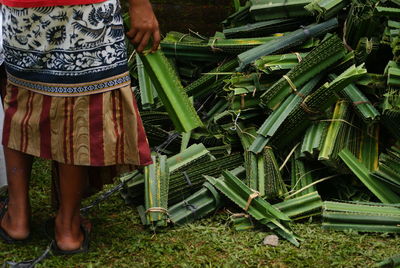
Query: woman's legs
{"points": [[68, 221], [68, 233], [16, 220]]}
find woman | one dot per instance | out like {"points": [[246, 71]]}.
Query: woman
{"points": [[69, 99]]}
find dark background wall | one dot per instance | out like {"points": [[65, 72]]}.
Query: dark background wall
{"points": [[202, 16]]}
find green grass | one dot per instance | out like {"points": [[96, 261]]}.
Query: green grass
{"points": [[119, 240]]}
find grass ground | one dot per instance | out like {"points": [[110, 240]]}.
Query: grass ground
{"points": [[119, 240]]}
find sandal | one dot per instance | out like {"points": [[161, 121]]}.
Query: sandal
{"points": [[3, 235], [84, 248], [53, 249]]}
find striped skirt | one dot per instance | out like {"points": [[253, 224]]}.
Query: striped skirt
{"points": [[94, 130]]}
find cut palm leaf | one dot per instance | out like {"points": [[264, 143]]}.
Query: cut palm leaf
{"points": [[380, 190], [171, 92]]}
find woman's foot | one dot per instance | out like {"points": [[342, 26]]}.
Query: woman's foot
{"points": [[14, 222], [69, 236], [68, 224], [16, 216]]}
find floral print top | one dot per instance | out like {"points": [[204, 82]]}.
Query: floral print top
{"points": [[66, 50]]}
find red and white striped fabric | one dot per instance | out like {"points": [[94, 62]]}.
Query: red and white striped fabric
{"points": [[94, 130]]}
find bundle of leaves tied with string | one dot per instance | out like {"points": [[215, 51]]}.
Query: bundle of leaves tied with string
{"points": [[290, 111]]}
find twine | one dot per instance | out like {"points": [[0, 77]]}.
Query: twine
{"points": [[250, 199], [215, 49], [293, 87], [244, 132], [361, 102], [254, 91], [242, 101], [240, 215], [237, 215], [309, 110], [290, 82], [344, 36], [183, 36], [299, 58], [197, 34], [180, 39], [157, 209]]}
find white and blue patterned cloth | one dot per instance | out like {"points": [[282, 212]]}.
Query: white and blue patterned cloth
{"points": [[66, 50]]}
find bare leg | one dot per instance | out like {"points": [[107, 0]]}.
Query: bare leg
{"points": [[16, 220], [68, 233]]}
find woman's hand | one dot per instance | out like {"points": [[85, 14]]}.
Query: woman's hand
{"points": [[144, 25]]}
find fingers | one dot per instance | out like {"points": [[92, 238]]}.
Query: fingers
{"points": [[141, 38], [144, 26], [156, 40], [142, 41], [131, 33], [137, 39]]}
